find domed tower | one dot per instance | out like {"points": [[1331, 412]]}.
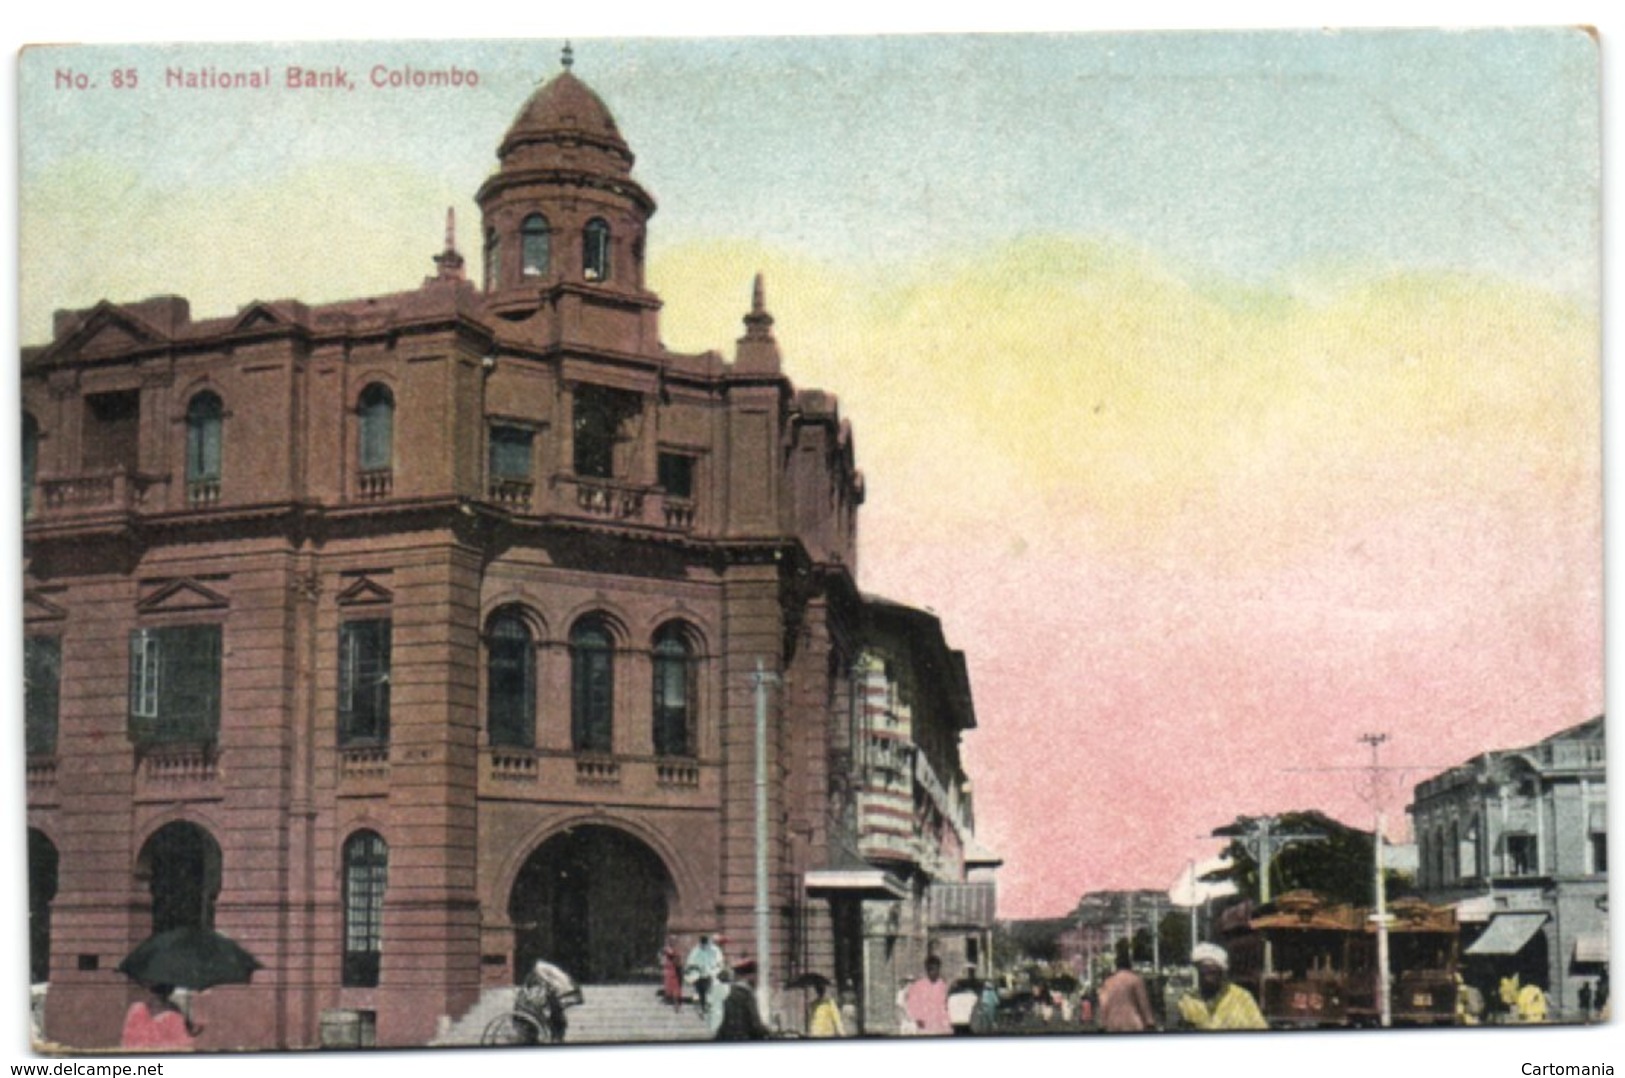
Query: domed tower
{"points": [[565, 222]]}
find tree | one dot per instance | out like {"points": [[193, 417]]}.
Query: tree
{"points": [[1339, 866]]}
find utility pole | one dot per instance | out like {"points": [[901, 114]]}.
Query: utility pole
{"points": [[1384, 1002], [1262, 842], [1191, 864], [761, 679]]}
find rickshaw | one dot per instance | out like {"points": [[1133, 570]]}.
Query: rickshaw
{"points": [[537, 1016]]}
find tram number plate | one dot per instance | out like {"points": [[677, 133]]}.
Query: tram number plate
{"points": [[1422, 999], [1308, 1001]]}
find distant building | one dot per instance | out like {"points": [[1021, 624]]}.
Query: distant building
{"points": [[1517, 839], [412, 638]]}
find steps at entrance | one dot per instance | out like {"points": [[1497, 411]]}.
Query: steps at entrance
{"points": [[608, 1014]]}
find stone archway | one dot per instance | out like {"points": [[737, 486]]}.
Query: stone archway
{"points": [[594, 901], [181, 865]]}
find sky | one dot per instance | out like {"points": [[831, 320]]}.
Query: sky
{"points": [[1228, 396]]}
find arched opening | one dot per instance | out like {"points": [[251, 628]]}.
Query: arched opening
{"points": [[592, 686], [510, 674], [594, 901], [181, 865], [42, 876]]}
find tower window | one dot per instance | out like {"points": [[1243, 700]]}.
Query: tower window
{"points": [[533, 246], [493, 277], [595, 250]]}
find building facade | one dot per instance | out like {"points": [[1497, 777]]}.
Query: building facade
{"points": [[408, 639], [1517, 840]]}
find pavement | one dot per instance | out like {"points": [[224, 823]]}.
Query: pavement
{"points": [[608, 1014]]}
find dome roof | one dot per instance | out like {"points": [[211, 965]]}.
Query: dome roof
{"points": [[566, 111]]}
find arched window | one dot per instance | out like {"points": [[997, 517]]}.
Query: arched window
{"points": [[595, 250], [377, 412], [30, 460], [366, 873], [510, 682], [203, 437], [493, 273], [592, 686], [533, 246], [673, 693], [182, 866]]}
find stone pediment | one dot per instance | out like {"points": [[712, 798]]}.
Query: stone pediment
{"points": [[178, 595], [363, 591], [36, 607], [107, 330], [259, 316]]}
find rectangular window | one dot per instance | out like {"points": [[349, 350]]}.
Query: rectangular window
{"points": [[42, 681], [677, 475], [1522, 856], [112, 431], [175, 685], [1599, 852], [510, 453], [364, 681]]}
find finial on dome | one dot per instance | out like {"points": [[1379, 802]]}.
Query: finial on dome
{"points": [[568, 57], [449, 261]]}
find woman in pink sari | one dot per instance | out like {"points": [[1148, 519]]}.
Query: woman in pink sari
{"points": [[158, 1025], [672, 974]]}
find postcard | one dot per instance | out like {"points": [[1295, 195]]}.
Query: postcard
{"points": [[648, 541]]}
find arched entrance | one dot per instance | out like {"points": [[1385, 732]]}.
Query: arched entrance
{"points": [[593, 901], [42, 872], [181, 864]]}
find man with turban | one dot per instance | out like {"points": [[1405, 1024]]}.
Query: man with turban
{"points": [[1217, 1003]]}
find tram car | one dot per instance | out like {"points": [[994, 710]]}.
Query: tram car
{"points": [[1312, 963]]}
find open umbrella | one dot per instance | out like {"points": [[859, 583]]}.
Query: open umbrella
{"points": [[809, 980], [194, 958]]}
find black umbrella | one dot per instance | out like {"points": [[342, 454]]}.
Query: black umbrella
{"points": [[809, 980], [194, 958]]}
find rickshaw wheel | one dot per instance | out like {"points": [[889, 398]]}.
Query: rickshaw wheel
{"points": [[514, 1028]]}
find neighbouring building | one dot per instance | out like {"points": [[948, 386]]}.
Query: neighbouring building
{"points": [[1517, 840], [408, 639]]}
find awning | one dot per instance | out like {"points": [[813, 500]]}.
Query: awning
{"points": [[854, 883], [1591, 949], [1508, 933], [979, 856]]}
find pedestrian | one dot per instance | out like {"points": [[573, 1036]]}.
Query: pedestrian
{"points": [[1125, 1005], [826, 1014], [741, 1018], [849, 1009], [671, 974], [1585, 1001], [158, 1024], [984, 1019], [1217, 1003], [926, 1001], [701, 969]]}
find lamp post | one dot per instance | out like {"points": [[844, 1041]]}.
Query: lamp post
{"points": [[761, 679]]}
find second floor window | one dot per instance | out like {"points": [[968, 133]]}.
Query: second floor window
{"points": [[364, 648], [203, 439], [377, 413], [42, 681], [677, 474], [175, 684], [511, 453], [1523, 855]]}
